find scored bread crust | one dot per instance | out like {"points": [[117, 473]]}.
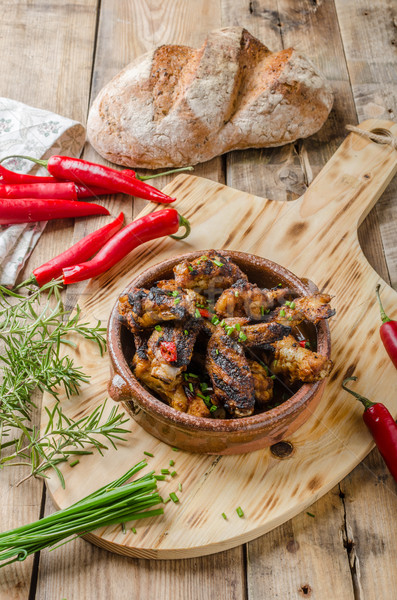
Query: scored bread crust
{"points": [[178, 106]]}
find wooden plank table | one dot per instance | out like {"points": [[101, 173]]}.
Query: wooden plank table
{"points": [[57, 56]]}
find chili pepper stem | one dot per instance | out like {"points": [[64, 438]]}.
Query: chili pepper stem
{"points": [[383, 315], [42, 163], [145, 177], [365, 401], [183, 222]]}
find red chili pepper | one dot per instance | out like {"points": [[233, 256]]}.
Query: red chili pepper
{"points": [[204, 313], [88, 173], [82, 250], [65, 190], [7, 176], [83, 191], [388, 332], [302, 343], [168, 351], [154, 225], [27, 210], [382, 426]]}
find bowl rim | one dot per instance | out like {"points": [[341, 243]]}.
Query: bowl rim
{"points": [[166, 413]]}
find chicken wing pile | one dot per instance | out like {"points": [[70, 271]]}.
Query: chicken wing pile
{"points": [[212, 344]]}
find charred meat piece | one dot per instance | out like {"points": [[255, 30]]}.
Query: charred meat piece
{"points": [[247, 299], [142, 308], [208, 271], [311, 308], [298, 364], [230, 374], [263, 384], [261, 334]]}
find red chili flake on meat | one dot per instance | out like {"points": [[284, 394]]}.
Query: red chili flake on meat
{"points": [[168, 351]]}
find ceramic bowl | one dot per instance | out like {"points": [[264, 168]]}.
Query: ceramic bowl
{"points": [[213, 436]]}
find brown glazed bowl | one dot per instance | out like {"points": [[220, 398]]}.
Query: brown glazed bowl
{"points": [[198, 434]]}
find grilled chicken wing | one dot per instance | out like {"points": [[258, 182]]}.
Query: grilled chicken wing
{"points": [[247, 299], [298, 364], [230, 374], [312, 308], [262, 334], [142, 308], [208, 271], [263, 384]]}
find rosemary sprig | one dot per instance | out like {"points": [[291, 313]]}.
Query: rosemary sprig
{"points": [[33, 329]]}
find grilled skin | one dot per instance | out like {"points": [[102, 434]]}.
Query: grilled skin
{"points": [[298, 364], [247, 299], [262, 334], [205, 274], [230, 374], [263, 384], [311, 308], [142, 308]]}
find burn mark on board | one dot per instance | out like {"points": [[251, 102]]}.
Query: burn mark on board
{"points": [[297, 229], [315, 483]]}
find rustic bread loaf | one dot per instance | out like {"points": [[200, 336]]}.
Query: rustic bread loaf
{"points": [[177, 105]]}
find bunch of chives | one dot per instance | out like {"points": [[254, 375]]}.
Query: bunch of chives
{"points": [[116, 502]]}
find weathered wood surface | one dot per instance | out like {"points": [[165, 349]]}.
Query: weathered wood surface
{"points": [[40, 43]]}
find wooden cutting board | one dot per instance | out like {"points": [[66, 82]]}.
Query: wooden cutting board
{"points": [[316, 238]]}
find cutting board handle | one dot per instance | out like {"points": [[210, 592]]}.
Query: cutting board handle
{"points": [[351, 182]]}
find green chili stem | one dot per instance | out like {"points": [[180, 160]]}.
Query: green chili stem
{"points": [[365, 401], [383, 315]]}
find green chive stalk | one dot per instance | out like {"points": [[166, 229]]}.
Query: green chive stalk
{"points": [[115, 503]]}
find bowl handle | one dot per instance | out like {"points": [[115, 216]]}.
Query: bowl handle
{"points": [[118, 389]]}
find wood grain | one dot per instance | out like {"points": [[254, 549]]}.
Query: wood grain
{"points": [[322, 223]]}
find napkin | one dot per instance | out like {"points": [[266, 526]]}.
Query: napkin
{"points": [[38, 133]]}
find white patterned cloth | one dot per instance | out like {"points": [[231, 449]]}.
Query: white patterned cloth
{"points": [[38, 133]]}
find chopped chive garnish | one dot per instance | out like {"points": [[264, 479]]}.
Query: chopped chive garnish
{"points": [[205, 398], [133, 530], [224, 516], [175, 293], [158, 328], [172, 462], [74, 463], [175, 449], [167, 500], [290, 318], [203, 386], [173, 473], [287, 303], [123, 529], [262, 310], [165, 471], [215, 320], [307, 345], [186, 332], [292, 305], [279, 285], [310, 514], [177, 300], [275, 363], [217, 263], [222, 323], [240, 512], [272, 377], [282, 313], [159, 477], [193, 375], [236, 293], [213, 408], [148, 454], [229, 330], [237, 326], [174, 497], [197, 314], [216, 351], [180, 487], [267, 311], [242, 336], [191, 387], [190, 268]]}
